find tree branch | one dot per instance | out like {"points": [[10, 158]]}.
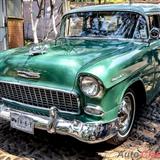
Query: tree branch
{"points": [[41, 8]]}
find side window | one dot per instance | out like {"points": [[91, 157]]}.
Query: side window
{"points": [[75, 25], [154, 21], [140, 29]]}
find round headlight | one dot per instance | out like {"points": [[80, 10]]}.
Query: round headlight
{"points": [[90, 86]]}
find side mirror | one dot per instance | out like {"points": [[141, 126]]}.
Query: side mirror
{"points": [[154, 33]]}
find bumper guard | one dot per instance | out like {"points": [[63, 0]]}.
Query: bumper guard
{"points": [[94, 132]]}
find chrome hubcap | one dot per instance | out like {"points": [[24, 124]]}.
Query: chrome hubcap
{"points": [[126, 113]]}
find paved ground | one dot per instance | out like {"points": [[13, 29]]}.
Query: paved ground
{"points": [[144, 143]]}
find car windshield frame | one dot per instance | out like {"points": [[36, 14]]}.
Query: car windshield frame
{"points": [[63, 26]]}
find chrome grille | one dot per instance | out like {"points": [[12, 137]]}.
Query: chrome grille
{"points": [[40, 97]]}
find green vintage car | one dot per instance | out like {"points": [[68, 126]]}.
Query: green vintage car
{"points": [[90, 82]]}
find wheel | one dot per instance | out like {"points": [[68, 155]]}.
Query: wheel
{"points": [[126, 116]]}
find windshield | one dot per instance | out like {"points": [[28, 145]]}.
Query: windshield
{"points": [[105, 24]]}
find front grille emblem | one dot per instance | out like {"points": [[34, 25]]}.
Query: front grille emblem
{"points": [[28, 74]]}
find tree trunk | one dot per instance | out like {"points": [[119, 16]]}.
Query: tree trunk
{"points": [[34, 29], [66, 6], [54, 24], [52, 5], [130, 1], [34, 25]]}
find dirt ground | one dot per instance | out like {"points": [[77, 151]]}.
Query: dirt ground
{"points": [[16, 145], [143, 144]]}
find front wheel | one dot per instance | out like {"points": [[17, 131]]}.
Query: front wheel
{"points": [[126, 116]]}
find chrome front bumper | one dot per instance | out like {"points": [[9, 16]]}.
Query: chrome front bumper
{"points": [[94, 132]]}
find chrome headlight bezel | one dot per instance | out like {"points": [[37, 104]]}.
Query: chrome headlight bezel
{"points": [[86, 79]]}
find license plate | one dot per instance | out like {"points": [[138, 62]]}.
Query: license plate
{"points": [[21, 122]]}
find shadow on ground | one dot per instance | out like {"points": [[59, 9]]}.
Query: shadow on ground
{"points": [[46, 146], [145, 136]]}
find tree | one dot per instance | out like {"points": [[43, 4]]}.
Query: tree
{"points": [[99, 1], [41, 12], [40, 5], [130, 1], [52, 16], [66, 5]]}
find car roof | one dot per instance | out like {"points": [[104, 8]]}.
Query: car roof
{"points": [[142, 8]]}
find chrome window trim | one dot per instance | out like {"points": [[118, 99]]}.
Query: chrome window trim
{"points": [[144, 14], [152, 13], [147, 17]]}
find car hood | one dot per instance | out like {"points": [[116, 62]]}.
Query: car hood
{"points": [[62, 61]]}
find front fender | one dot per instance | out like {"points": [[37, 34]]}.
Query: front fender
{"points": [[112, 98], [112, 71]]}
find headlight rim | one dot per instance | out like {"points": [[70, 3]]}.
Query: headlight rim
{"points": [[100, 84]]}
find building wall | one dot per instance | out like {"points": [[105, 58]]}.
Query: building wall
{"points": [[3, 42], [9, 8], [15, 32], [14, 8]]}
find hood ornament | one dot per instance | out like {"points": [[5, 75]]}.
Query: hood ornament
{"points": [[38, 50], [28, 74]]}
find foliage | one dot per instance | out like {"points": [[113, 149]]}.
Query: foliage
{"points": [[117, 1]]}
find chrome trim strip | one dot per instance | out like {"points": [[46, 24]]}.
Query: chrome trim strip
{"points": [[28, 74], [41, 87], [40, 108], [20, 103], [91, 133], [106, 10]]}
